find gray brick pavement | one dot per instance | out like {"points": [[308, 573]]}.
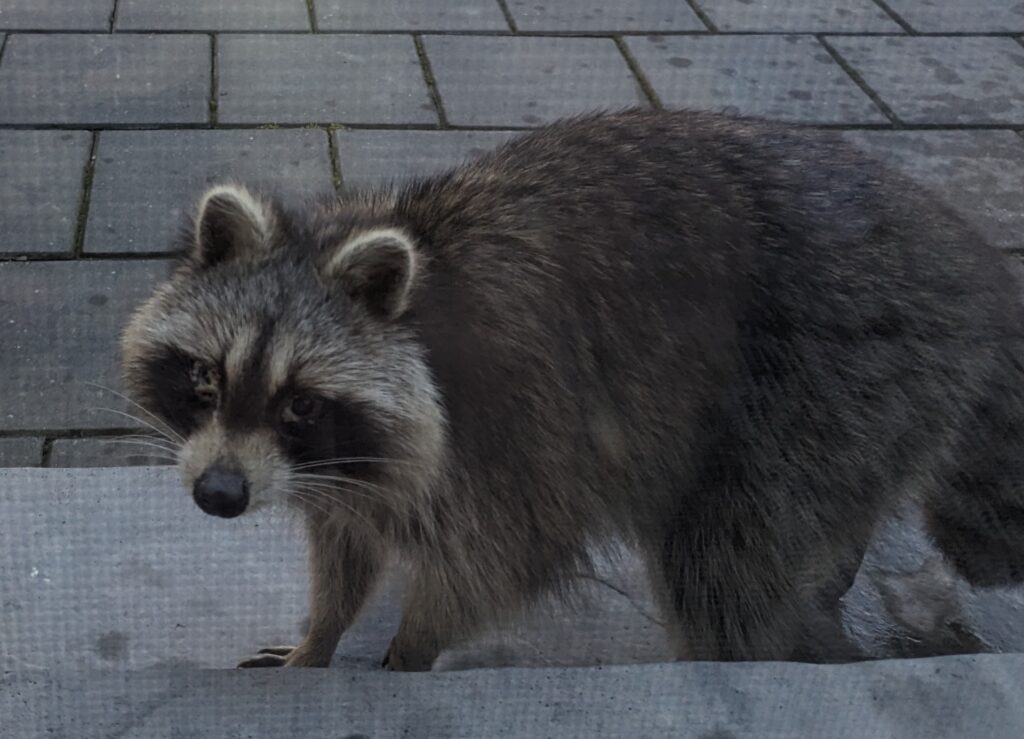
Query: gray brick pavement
{"points": [[942, 80], [494, 81], [597, 15], [262, 68], [103, 79], [133, 165], [798, 16], [786, 77], [21, 451], [202, 15], [371, 158], [59, 332], [961, 16], [324, 79], [411, 15], [40, 189], [64, 15]]}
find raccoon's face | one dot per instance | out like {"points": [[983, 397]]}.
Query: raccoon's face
{"points": [[281, 367]]}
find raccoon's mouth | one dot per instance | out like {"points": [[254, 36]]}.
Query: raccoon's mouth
{"points": [[221, 491]]}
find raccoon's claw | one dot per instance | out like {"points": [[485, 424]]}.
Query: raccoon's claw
{"points": [[269, 657], [264, 660], [300, 656], [279, 651]]}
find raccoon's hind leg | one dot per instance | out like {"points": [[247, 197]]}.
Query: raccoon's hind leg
{"points": [[736, 587], [975, 513]]}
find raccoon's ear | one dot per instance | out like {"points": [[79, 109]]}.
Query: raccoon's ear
{"points": [[230, 221], [375, 268]]}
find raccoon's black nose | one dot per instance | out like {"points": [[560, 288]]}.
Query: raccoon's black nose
{"points": [[221, 492]]}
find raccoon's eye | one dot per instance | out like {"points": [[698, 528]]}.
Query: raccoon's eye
{"points": [[205, 381], [302, 408]]}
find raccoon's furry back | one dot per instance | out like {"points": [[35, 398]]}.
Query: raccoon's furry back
{"points": [[735, 342]]}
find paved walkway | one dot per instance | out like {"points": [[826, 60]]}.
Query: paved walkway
{"points": [[115, 113]]}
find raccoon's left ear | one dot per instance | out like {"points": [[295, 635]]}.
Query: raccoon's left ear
{"points": [[375, 268], [230, 221]]}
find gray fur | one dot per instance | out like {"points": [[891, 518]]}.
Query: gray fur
{"points": [[734, 344]]}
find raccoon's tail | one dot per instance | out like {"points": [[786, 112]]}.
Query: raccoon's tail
{"points": [[976, 516]]}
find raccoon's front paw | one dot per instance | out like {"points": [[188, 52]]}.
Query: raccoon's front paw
{"points": [[284, 657], [406, 660]]}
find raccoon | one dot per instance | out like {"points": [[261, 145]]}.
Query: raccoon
{"points": [[733, 344]]}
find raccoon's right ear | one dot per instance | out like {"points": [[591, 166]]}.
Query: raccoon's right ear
{"points": [[230, 221]]}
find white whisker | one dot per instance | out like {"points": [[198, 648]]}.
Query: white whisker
{"points": [[340, 487], [309, 500], [349, 460], [311, 497], [141, 442], [143, 421], [342, 478], [169, 431]]}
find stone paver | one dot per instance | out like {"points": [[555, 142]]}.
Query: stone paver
{"points": [[65, 15], [94, 79], [369, 158], [106, 452], [145, 181], [942, 80], [803, 16], [480, 85], [410, 15], [959, 16], [59, 326], [21, 451], [596, 15], [324, 79], [40, 189], [785, 77], [978, 172], [191, 15]]}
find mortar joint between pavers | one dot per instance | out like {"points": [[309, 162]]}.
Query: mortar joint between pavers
{"points": [[859, 80], [78, 246], [91, 257], [883, 5], [505, 33], [214, 91], [431, 81], [362, 126], [113, 16], [332, 152], [702, 14], [3, 46], [507, 12], [638, 74], [311, 11], [56, 433]]}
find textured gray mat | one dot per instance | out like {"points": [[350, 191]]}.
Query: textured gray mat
{"points": [[115, 588], [906, 699]]}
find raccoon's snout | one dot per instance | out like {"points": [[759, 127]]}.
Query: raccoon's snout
{"points": [[221, 492]]}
